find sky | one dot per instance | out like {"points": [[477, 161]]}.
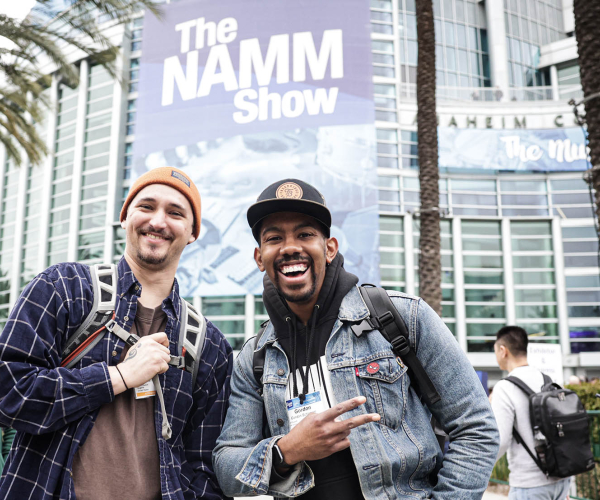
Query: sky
{"points": [[16, 8]]}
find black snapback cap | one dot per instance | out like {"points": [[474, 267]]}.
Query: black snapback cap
{"points": [[289, 195]]}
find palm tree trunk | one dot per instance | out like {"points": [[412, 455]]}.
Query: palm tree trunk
{"points": [[430, 269], [587, 13]]}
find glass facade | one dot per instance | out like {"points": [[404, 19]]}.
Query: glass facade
{"points": [[529, 25], [519, 249]]}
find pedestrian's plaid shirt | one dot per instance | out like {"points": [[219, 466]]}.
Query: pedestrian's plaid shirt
{"points": [[53, 408]]}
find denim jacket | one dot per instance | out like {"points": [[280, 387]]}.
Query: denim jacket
{"points": [[395, 457]]}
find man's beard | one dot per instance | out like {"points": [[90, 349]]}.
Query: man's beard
{"points": [[306, 296], [151, 259]]}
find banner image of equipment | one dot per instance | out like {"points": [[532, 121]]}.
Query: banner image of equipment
{"points": [[548, 150], [242, 93]]}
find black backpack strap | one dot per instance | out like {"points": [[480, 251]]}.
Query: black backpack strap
{"points": [[385, 317], [522, 385], [258, 357], [520, 441], [528, 391]]}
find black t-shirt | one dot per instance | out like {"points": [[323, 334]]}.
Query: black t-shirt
{"points": [[336, 475]]}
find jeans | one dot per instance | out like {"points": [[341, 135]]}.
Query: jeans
{"points": [[554, 491]]}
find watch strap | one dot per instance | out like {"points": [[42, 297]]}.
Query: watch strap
{"points": [[278, 460]]}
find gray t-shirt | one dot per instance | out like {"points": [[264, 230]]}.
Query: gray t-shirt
{"points": [[119, 458]]}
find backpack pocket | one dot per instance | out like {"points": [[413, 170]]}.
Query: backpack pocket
{"points": [[568, 446]]}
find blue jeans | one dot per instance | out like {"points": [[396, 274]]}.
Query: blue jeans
{"points": [[555, 491]]}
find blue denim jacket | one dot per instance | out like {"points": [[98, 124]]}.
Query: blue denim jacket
{"points": [[395, 456]]}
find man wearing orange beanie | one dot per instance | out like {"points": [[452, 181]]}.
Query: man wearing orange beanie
{"points": [[119, 417]]}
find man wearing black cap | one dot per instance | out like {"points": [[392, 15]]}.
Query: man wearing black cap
{"points": [[334, 415]]}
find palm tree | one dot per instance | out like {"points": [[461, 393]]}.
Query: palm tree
{"points": [[430, 268], [45, 34], [587, 14]]}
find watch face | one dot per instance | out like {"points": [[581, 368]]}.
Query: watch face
{"points": [[278, 456]]}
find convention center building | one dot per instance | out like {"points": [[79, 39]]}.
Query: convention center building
{"points": [[519, 247]]}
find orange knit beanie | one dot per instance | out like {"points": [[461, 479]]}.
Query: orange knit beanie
{"points": [[174, 178]]}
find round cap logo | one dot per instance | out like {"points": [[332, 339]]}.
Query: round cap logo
{"points": [[373, 368], [289, 190]]}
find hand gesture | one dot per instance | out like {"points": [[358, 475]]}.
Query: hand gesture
{"points": [[148, 357], [322, 434]]}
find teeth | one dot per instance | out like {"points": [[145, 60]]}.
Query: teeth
{"points": [[154, 237], [294, 269]]}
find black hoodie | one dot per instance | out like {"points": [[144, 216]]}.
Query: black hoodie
{"points": [[335, 476]]}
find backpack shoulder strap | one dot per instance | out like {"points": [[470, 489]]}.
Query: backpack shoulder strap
{"points": [[521, 385], [385, 317], [258, 357], [104, 283], [520, 441], [192, 332]]}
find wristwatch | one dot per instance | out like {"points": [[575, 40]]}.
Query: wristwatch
{"points": [[278, 460]]}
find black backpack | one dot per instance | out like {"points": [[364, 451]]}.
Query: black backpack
{"points": [[383, 316], [561, 427]]}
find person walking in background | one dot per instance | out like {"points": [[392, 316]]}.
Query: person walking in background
{"points": [[511, 409], [95, 431], [335, 414]]}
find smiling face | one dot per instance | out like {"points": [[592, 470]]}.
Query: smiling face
{"points": [[158, 227], [294, 252]]}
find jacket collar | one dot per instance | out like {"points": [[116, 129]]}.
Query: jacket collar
{"points": [[353, 309]]}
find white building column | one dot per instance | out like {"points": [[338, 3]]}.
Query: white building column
{"points": [[554, 82], [561, 287], [509, 281], [15, 272], [496, 29], [78, 161], [459, 285], [114, 159], [249, 316], [46, 191]]}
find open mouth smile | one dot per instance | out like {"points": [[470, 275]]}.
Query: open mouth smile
{"points": [[294, 271]]}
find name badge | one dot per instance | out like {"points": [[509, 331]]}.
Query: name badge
{"points": [[298, 411], [146, 390]]}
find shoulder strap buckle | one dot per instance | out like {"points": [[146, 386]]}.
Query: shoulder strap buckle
{"points": [[400, 346], [383, 320]]}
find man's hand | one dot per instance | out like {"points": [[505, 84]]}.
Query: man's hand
{"points": [[149, 356], [322, 434]]}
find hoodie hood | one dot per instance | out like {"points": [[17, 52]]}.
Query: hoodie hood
{"points": [[292, 334]]}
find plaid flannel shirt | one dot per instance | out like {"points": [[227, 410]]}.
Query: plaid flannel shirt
{"points": [[53, 409]]}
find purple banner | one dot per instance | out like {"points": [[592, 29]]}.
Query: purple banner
{"points": [[222, 68], [241, 93]]}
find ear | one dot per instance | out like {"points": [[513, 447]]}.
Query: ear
{"points": [[331, 249], [123, 223], [258, 259], [191, 239]]}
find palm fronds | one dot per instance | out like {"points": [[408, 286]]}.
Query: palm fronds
{"points": [[43, 37]]}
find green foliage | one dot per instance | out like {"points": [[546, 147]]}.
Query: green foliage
{"points": [[587, 393], [43, 37], [500, 472]]}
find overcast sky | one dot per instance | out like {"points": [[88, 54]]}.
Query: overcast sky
{"points": [[16, 8]]}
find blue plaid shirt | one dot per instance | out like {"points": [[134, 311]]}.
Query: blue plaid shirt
{"points": [[53, 409]]}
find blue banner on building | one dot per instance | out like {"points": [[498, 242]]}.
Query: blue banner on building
{"points": [[549, 150], [242, 93]]}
